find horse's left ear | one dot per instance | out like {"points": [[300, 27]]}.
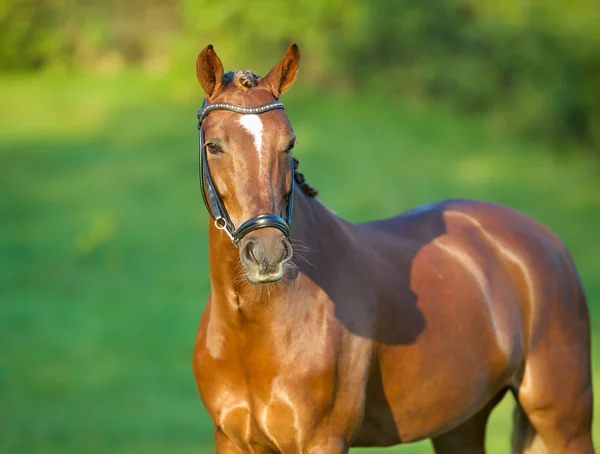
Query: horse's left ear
{"points": [[282, 76]]}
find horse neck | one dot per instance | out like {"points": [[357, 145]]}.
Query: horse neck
{"points": [[314, 241]]}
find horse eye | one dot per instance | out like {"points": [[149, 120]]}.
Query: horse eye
{"points": [[213, 148], [290, 146]]}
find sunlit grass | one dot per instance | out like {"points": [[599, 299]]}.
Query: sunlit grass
{"points": [[103, 270]]}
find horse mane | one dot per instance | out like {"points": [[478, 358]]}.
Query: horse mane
{"points": [[246, 79], [301, 182]]}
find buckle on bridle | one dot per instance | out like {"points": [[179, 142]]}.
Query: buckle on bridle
{"points": [[221, 224]]}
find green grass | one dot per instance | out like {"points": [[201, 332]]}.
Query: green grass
{"points": [[103, 265]]}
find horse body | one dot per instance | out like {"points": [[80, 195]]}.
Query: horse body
{"points": [[449, 305], [385, 332]]}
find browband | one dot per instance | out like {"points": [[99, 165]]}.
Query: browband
{"points": [[208, 108]]}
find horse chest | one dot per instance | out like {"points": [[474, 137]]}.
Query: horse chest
{"points": [[264, 403], [280, 393], [277, 420]]}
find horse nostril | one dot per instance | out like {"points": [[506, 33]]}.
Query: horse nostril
{"points": [[249, 252], [287, 251]]}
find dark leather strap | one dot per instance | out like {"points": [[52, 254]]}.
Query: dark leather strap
{"points": [[261, 221]]}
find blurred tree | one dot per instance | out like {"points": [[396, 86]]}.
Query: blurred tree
{"points": [[29, 34], [533, 66]]}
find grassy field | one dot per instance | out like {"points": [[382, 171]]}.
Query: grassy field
{"points": [[103, 265]]}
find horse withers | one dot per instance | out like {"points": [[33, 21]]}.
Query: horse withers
{"points": [[319, 334]]}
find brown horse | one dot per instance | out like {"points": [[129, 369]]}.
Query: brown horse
{"points": [[329, 335]]}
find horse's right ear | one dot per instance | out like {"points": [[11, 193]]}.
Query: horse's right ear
{"points": [[209, 70], [282, 76]]}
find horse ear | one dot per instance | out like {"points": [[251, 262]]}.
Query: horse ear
{"points": [[282, 76], [209, 70]]}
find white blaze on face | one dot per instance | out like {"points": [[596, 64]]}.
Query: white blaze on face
{"points": [[254, 126]]}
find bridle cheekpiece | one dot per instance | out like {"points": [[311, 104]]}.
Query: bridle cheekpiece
{"points": [[211, 198]]}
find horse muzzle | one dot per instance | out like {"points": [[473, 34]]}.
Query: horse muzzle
{"points": [[264, 254]]}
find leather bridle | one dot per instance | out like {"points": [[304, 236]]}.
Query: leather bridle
{"points": [[213, 202]]}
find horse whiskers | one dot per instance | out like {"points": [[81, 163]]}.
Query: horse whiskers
{"points": [[239, 274], [301, 247], [304, 259], [298, 245], [284, 282], [281, 285], [301, 251], [255, 293], [295, 267], [291, 265], [239, 283], [239, 277], [300, 256], [298, 242]]}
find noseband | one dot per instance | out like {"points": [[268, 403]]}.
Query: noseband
{"points": [[213, 202]]}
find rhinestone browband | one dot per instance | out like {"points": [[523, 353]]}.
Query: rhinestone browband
{"points": [[236, 108]]}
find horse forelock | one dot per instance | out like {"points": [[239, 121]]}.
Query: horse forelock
{"points": [[244, 79]]}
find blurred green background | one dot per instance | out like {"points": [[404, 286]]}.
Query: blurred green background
{"points": [[103, 252]]}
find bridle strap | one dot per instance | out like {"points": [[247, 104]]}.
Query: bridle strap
{"points": [[211, 198], [262, 221]]}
